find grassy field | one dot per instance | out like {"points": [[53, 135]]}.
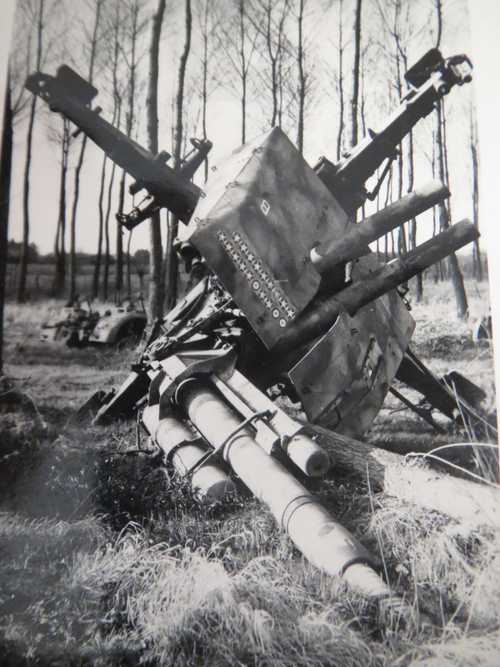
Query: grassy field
{"points": [[105, 561]]}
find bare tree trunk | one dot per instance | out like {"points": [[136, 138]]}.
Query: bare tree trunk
{"points": [[477, 261], [135, 28], [79, 164], [98, 259], [302, 78], [156, 287], [399, 55], [23, 262], [119, 243], [355, 72], [5, 175], [129, 269], [107, 254], [60, 241], [340, 86], [454, 267], [413, 222], [171, 256], [204, 86], [244, 71]]}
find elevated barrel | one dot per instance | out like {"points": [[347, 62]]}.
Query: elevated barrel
{"points": [[355, 241], [322, 315]]}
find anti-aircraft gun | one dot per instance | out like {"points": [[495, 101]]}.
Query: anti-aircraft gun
{"points": [[276, 313]]}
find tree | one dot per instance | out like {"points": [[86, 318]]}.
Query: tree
{"points": [[206, 27], [269, 19], [132, 28], [5, 174], [301, 87], [353, 107], [63, 138], [171, 256], [444, 216], [340, 83], [81, 156], [115, 28], [156, 287], [23, 268], [237, 39], [100, 234], [477, 265]]}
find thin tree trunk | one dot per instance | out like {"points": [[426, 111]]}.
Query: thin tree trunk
{"points": [[413, 222], [478, 265], [241, 8], [98, 258], [119, 243], [171, 256], [453, 265], [79, 164], [355, 73], [129, 268], [156, 288], [107, 254], [23, 262], [60, 241], [302, 78], [204, 91], [341, 102], [399, 54], [129, 123], [5, 177]]}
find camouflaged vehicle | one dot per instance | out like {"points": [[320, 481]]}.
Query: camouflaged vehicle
{"points": [[77, 326]]}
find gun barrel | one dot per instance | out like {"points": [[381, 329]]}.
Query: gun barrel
{"points": [[182, 449], [320, 318], [355, 242], [322, 540], [170, 188], [433, 78]]}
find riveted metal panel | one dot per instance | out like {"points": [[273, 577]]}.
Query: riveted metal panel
{"points": [[264, 211]]}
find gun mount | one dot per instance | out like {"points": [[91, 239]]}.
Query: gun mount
{"points": [[277, 314]]}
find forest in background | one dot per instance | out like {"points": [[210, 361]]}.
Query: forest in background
{"points": [[323, 71]]}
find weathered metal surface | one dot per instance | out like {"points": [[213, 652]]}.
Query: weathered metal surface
{"points": [[314, 531], [354, 242], [166, 185], [183, 450], [256, 226]]}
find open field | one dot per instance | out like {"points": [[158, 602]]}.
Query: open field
{"points": [[106, 562]]}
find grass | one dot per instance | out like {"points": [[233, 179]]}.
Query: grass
{"points": [[106, 561]]}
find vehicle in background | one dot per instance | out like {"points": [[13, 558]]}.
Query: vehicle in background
{"points": [[77, 326]]}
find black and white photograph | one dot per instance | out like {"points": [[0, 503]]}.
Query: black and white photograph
{"points": [[248, 305]]}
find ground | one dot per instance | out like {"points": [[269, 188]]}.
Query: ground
{"points": [[105, 561]]}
